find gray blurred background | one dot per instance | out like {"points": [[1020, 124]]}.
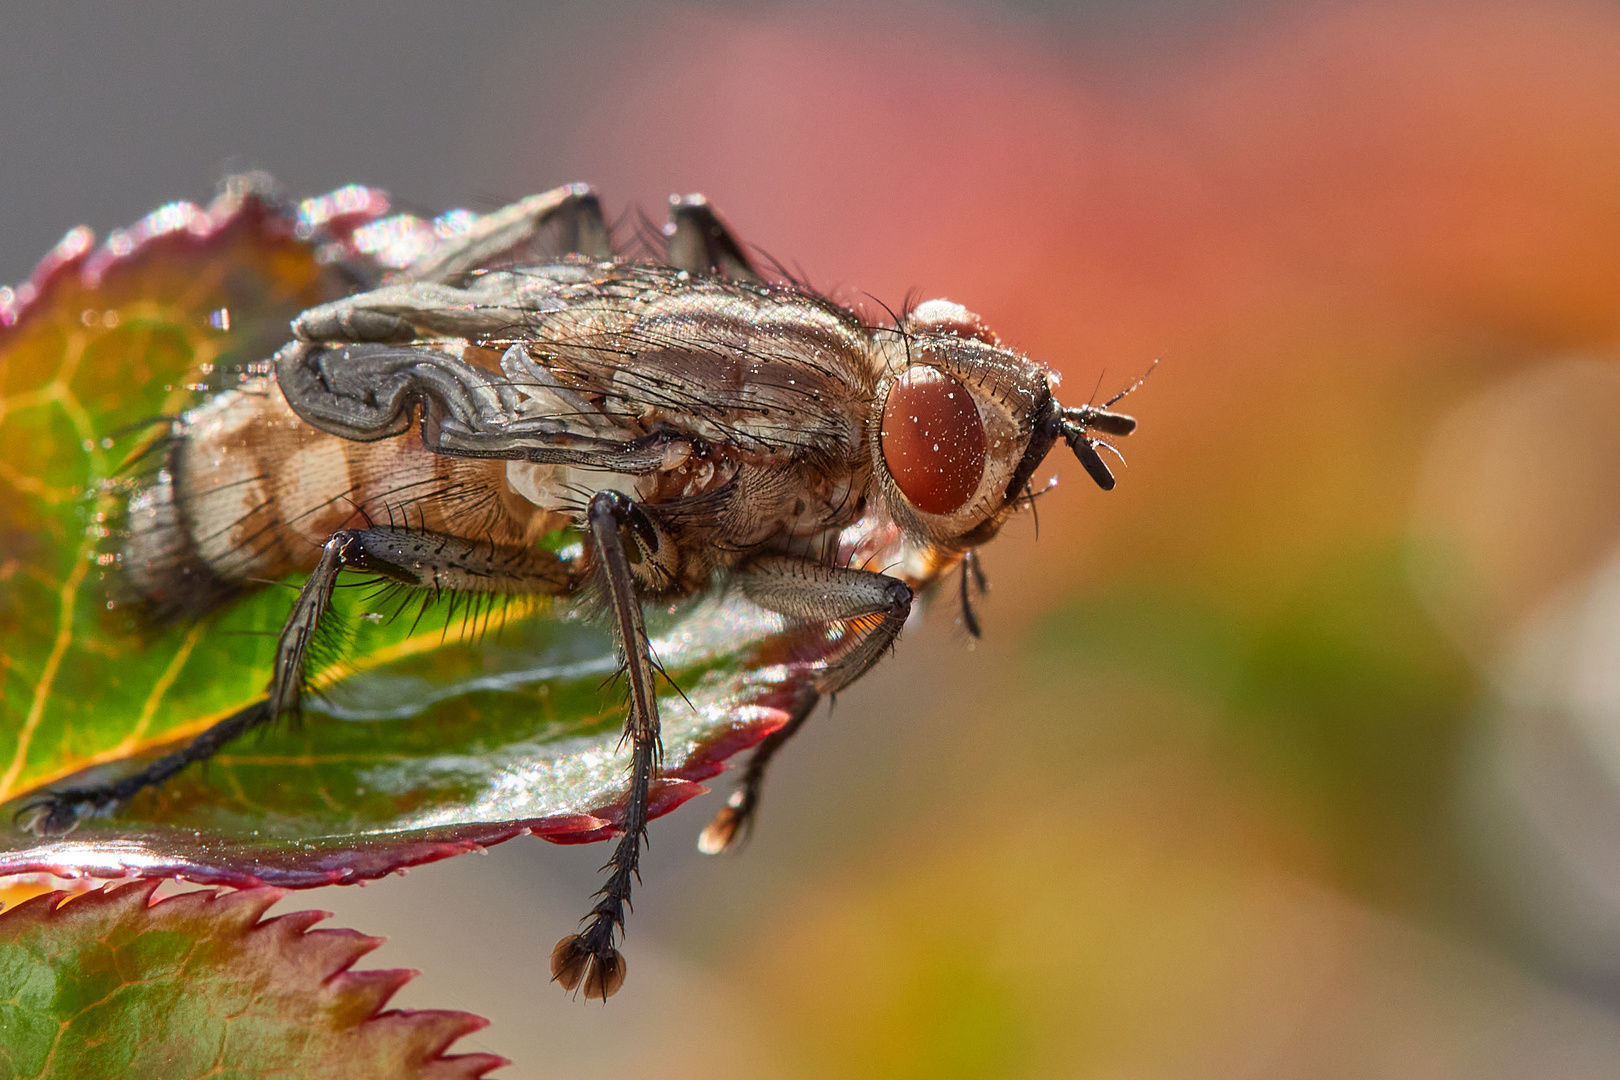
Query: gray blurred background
{"points": [[1296, 756]]}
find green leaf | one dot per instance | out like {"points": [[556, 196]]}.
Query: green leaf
{"points": [[93, 349], [440, 730], [109, 984]]}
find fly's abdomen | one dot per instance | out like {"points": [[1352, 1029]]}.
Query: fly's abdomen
{"points": [[250, 493]]}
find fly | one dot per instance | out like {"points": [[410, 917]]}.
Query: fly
{"points": [[693, 424]]}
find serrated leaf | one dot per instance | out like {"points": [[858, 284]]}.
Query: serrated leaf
{"points": [[441, 730], [199, 985]]}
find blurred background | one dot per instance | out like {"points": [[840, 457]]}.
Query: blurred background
{"points": [[1298, 754]]}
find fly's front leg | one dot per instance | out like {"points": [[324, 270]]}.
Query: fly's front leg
{"points": [[589, 957], [421, 560], [873, 608]]}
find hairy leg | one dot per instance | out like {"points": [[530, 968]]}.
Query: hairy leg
{"points": [[588, 959], [873, 608], [420, 560]]}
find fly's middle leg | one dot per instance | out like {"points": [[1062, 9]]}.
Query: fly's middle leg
{"points": [[421, 560], [700, 243], [589, 959]]}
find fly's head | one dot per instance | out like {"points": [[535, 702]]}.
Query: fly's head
{"points": [[961, 424]]}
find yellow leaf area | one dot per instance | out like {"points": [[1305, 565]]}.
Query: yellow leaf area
{"points": [[19, 887], [87, 375]]}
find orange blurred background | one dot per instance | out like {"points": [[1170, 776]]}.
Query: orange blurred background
{"points": [[1298, 754]]}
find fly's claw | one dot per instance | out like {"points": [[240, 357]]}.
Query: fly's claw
{"points": [[54, 815], [599, 968], [722, 832]]}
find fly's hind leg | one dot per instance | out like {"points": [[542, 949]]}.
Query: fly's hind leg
{"points": [[421, 560], [873, 608], [58, 813], [589, 959]]}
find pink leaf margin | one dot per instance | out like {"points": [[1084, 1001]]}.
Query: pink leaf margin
{"points": [[323, 959]]}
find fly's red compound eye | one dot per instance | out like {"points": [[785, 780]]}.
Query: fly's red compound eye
{"points": [[933, 440]]}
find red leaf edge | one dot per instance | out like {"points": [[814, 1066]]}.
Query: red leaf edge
{"points": [[334, 951]]}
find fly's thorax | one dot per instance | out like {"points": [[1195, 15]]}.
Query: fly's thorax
{"points": [[952, 418], [565, 489], [754, 367]]}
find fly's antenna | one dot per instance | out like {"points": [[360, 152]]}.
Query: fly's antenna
{"points": [[1076, 425], [1134, 387]]}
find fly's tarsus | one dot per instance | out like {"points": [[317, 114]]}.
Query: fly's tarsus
{"points": [[431, 559], [60, 812]]}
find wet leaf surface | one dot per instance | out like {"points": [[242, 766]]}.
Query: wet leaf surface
{"points": [[200, 985], [438, 730]]}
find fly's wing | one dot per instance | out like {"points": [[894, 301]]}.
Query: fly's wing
{"points": [[450, 248], [598, 350], [767, 370]]}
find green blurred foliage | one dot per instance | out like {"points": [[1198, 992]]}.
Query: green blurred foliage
{"points": [[1343, 699]]}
